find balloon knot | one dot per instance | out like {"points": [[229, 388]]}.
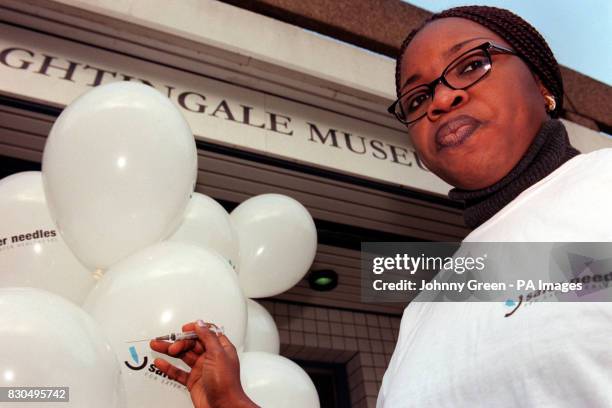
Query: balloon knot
{"points": [[98, 274]]}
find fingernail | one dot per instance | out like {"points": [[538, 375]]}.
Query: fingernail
{"points": [[201, 323]]}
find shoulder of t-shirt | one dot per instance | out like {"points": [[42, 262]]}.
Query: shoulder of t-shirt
{"points": [[597, 158], [592, 165], [596, 164]]}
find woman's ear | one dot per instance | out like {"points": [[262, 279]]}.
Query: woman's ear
{"points": [[548, 98]]}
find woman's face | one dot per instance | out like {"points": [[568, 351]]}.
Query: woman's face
{"points": [[472, 138]]}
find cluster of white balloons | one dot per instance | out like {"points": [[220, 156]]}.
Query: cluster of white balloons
{"points": [[110, 244]]}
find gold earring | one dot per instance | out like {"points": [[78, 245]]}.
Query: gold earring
{"points": [[551, 104]]}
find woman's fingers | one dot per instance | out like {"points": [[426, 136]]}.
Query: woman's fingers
{"points": [[190, 327], [226, 343], [208, 338], [177, 348], [173, 372], [190, 358], [190, 350], [230, 349], [181, 346], [187, 327], [160, 346]]}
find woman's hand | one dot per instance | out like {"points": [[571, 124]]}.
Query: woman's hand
{"points": [[214, 379]]}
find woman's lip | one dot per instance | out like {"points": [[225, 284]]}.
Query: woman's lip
{"points": [[456, 131]]}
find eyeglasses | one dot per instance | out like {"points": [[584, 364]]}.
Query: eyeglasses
{"points": [[463, 72]]}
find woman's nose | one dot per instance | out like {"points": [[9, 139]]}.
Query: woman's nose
{"points": [[445, 100]]}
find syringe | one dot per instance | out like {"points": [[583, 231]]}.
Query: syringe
{"points": [[191, 335], [178, 336]]}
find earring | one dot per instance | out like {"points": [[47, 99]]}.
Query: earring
{"points": [[551, 104]]}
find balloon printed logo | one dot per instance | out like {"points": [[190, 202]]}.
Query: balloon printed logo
{"points": [[30, 238], [152, 372], [134, 355]]}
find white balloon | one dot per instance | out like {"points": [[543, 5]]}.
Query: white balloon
{"points": [[273, 381], [49, 342], [119, 166], [153, 293], [278, 242], [32, 252], [208, 225], [262, 333]]}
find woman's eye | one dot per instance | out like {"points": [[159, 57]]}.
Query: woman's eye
{"points": [[416, 101], [472, 66]]}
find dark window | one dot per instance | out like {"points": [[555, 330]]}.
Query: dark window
{"points": [[331, 382], [10, 165]]}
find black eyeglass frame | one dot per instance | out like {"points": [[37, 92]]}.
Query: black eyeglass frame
{"points": [[486, 47]]}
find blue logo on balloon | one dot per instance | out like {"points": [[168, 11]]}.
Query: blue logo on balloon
{"points": [[136, 360], [134, 354]]}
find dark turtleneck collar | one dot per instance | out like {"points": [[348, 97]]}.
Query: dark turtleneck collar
{"points": [[549, 150]]}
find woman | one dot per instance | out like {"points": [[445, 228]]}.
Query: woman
{"points": [[487, 126], [479, 91]]}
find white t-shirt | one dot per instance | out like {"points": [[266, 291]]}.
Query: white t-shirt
{"points": [[543, 355]]}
